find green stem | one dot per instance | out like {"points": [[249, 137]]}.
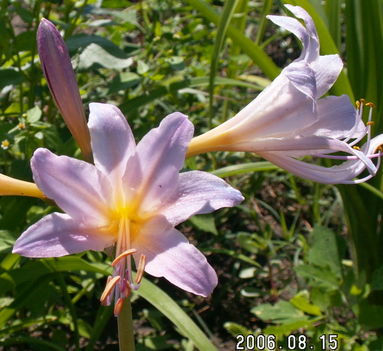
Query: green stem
{"points": [[125, 327]]}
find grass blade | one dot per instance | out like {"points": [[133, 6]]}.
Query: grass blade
{"points": [[224, 22], [165, 304]]}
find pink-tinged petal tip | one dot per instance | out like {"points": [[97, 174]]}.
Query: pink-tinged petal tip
{"points": [[58, 235]]}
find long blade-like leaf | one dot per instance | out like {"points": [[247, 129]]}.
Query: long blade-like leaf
{"points": [[165, 304]]}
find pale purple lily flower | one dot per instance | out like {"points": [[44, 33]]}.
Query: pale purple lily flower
{"points": [[132, 198], [58, 71], [289, 119]]}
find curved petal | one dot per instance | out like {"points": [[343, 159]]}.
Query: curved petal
{"points": [[76, 186], [341, 174], [337, 118], [112, 140], [57, 235], [312, 145], [306, 34], [199, 192], [161, 155], [327, 69], [302, 77], [169, 255]]}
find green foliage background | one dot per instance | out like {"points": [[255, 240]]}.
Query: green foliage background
{"points": [[295, 257]]}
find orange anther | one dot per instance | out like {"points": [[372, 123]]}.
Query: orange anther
{"points": [[109, 287], [118, 306], [122, 255], [140, 269]]}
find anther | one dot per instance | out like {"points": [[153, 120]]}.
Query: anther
{"points": [[123, 255], [140, 269], [356, 147], [370, 123], [109, 287], [357, 103], [118, 306], [362, 101], [370, 104]]}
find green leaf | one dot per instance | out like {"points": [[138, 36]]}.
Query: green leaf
{"points": [[281, 312], [301, 301], [10, 76], [324, 249], [171, 310], [205, 223], [229, 171], [319, 276], [94, 54], [224, 22], [34, 114], [234, 329], [287, 328]]}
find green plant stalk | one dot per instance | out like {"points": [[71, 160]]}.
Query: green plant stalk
{"points": [[222, 27], [125, 327], [247, 45]]}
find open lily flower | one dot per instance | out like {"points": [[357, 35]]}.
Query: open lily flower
{"points": [[289, 119], [58, 71], [132, 198]]}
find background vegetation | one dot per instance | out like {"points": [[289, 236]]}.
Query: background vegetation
{"points": [[295, 257]]}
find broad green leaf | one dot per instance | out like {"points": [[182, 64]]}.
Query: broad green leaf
{"points": [[95, 54], [171, 310], [281, 312], [301, 301], [34, 114], [324, 249], [205, 223]]}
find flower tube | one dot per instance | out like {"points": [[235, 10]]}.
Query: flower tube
{"points": [[132, 197], [58, 71], [17, 187], [289, 119]]}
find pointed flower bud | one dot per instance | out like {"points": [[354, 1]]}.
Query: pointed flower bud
{"points": [[58, 71]]}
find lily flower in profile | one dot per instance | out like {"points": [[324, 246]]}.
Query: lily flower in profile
{"points": [[132, 197], [289, 119], [58, 71]]}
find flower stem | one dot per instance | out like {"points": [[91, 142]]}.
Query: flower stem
{"points": [[125, 327]]}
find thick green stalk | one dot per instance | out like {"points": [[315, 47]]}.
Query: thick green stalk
{"points": [[125, 327]]}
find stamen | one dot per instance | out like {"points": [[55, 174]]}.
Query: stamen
{"points": [[118, 306], [357, 104], [123, 255], [140, 269], [109, 287], [356, 147], [370, 104], [370, 123]]}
